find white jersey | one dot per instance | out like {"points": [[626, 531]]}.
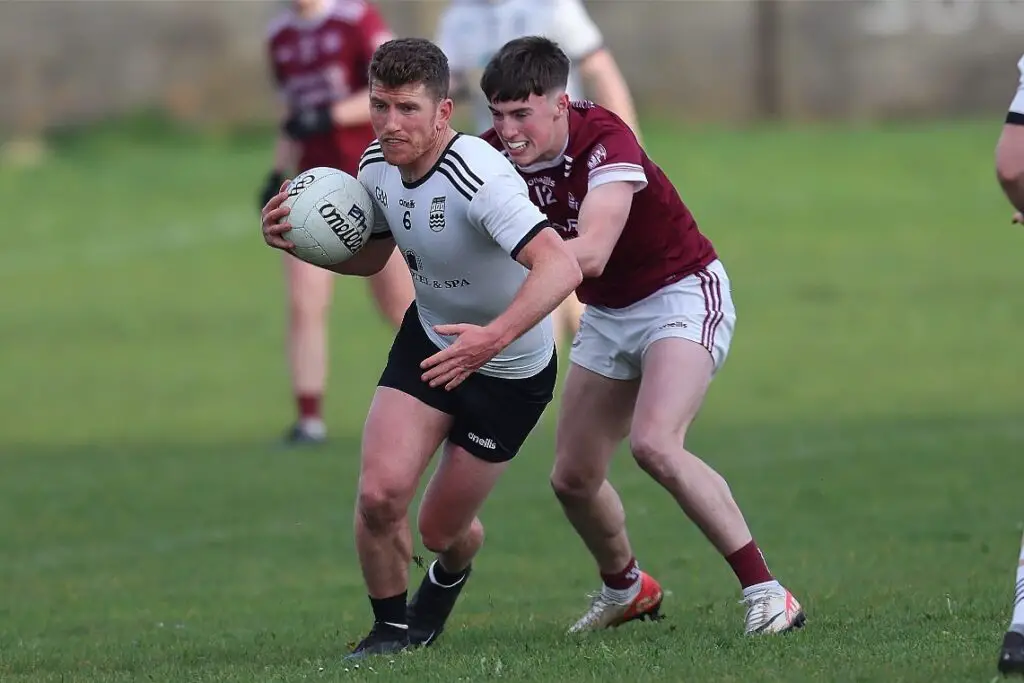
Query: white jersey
{"points": [[460, 228], [471, 31], [1016, 114]]}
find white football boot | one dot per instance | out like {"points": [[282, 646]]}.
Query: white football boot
{"points": [[772, 609]]}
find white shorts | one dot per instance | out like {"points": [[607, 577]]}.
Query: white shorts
{"points": [[612, 341]]}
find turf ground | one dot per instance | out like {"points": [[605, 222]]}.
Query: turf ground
{"points": [[869, 419]]}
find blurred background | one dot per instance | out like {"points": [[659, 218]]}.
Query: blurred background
{"points": [[870, 418], [729, 60]]}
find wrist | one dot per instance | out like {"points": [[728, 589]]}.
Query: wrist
{"points": [[501, 333]]}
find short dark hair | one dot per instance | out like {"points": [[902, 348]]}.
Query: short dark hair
{"points": [[410, 61], [525, 66]]}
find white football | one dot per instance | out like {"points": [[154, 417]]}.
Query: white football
{"points": [[331, 216]]}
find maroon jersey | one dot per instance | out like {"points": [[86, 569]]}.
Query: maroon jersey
{"points": [[320, 61], [660, 243]]}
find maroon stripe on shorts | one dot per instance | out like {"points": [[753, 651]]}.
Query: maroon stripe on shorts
{"points": [[711, 287]]}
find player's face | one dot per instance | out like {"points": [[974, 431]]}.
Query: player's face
{"points": [[533, 129], [407, 120]]}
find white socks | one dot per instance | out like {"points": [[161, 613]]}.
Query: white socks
{"points": [[622, 596]]}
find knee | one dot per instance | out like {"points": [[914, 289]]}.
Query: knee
{"points": [[381, 507], [573, 484], [654, 449], [437, 538]]}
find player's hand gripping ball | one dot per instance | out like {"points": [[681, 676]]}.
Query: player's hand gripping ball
{"points": [[331, 216]]}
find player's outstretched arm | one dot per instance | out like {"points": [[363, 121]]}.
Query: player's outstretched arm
{"points": [[554, 274], [603, 215], [368, 261]]}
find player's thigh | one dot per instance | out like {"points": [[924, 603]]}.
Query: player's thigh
{"points": [[593, 419], [495, 416], [400, 436], [688, 328], [309, 287], [676, 375], [408, 419], [698, 308], [456, 492]]}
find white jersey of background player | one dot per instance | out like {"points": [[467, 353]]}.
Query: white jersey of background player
{"points": [[471, 31], [1010, 171], [460, 229]]}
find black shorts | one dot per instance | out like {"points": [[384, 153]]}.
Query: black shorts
{"points": [[493, 416]]}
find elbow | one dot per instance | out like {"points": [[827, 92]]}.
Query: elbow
{"points": [[592, 270], [1010, 159], [592, 265], [577, 274], [1010, 173], [572, 271]]}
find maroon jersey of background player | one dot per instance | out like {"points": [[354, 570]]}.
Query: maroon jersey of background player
{"points": [[325, 60], [660, 243]]}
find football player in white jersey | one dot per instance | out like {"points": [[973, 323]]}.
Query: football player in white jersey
{"points": [[471, 31], [473, 365], [1010, 171]]}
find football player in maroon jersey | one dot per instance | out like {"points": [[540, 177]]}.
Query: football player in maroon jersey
{"points": [[659, 319], [319, 52]]}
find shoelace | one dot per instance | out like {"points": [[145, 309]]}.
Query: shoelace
{"points": [[758, 605], [598, 604]]}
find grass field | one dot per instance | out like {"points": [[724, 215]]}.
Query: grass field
{"points": [[870, 420]]}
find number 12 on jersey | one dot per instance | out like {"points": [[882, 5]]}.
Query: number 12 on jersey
{"points": [[544, 195]]}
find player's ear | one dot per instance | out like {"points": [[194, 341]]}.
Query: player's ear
{"points": [[562, 105], [444, 113]]}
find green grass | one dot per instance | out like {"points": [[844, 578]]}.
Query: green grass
{"points": [[869, 420]]}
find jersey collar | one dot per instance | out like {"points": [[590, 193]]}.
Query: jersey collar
{"points": [[545, 165]]}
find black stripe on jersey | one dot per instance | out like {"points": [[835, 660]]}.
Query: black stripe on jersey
{"points": [[367, 160], [426, 176], [380, 235], [534, 231], [1015, 118], [373, 154], [455, 156], [456, 184], [451, 171]]}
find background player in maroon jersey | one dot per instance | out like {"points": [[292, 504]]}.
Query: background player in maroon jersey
{"points": [[657, 326], [319, 53]]}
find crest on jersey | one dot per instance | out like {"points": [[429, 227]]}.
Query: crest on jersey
{"points": [[436, 220], [597, 156]]}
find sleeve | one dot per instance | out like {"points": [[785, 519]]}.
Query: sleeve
{"points": [[502, 209], [373, 30], [615, 157], [370, 166], [1016, 113], [574, 30]]}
